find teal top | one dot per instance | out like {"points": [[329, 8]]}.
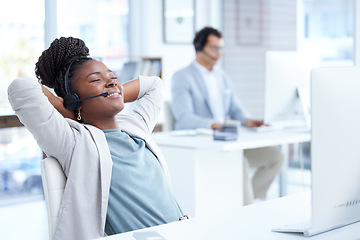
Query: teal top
{"points": [[139, 193]]}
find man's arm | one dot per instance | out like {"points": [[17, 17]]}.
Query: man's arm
{"points": [[236, 110]]}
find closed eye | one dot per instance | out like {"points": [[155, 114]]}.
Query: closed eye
{"points": [[95, 80]]}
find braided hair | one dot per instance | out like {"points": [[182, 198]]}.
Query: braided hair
{"points": [[54, 61]]}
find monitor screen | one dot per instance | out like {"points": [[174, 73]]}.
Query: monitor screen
{"points": [[335, 151], [287, 78]]}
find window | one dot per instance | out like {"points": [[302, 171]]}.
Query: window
{"points": [[21, 43], [329, 31], [102, 24]]}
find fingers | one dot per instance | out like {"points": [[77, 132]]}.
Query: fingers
{"points": [[60, 99]]}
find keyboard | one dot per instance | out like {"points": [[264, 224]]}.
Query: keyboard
{"points": [[281, 125], [193, 132], [267, 128]]}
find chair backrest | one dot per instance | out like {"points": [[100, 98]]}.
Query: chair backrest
{"points": [[54, 180], [168, 117]]}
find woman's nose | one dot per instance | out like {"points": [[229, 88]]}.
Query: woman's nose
{"points": [[112, 82]]}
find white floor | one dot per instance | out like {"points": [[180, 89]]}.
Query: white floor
{"points": [[29, 220]]}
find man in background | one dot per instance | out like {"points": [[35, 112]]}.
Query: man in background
{"points": [[203, 97]]}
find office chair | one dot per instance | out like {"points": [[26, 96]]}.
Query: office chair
{"points": [[168, 117], [54, 180]]}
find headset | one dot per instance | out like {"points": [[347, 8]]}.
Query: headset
{"points": [[72, 100], [199, 46]]}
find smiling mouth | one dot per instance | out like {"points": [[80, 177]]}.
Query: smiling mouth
{"points": [[112, 94]]}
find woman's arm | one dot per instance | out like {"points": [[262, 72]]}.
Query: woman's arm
{"points": [[148, 91], [131, 90], [58, 103], [50, 129]]}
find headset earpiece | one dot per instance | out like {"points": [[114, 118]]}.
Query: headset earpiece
{"points": [[200, 43], [71, 101]]}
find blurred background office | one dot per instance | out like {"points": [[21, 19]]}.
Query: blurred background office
{"points": [[153, 37]]}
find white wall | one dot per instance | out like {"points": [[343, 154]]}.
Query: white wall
{"points": [[244, 58], [244, 64], [357, 33], [146, 29]]}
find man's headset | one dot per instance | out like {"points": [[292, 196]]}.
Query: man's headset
{"points": [[200, 44], [72, 100]]}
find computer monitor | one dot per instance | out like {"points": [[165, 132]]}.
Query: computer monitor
{"points": [[287, 74], [335, 146], [335, 151]]}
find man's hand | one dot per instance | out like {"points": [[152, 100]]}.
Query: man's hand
{"points": [[57, 102], [216, 126], [253, 123]]}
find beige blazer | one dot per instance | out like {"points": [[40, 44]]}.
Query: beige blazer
{"points": [[83, 152]]}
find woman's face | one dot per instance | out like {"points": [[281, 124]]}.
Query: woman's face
{"points": [[93, 78]]}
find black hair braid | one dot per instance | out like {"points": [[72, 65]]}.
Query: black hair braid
{"points": [[54, 61]]}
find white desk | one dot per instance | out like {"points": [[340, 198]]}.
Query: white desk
{"points": [[250, 222], [207, 175]]}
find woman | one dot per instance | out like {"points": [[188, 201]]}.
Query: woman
{"points": [[117, 179]]}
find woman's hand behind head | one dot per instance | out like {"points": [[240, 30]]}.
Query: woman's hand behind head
{"points": [[58, 104]]}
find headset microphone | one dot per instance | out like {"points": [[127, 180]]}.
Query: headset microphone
{"points": [[72, 102], [211, 57], [100, 95]]}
